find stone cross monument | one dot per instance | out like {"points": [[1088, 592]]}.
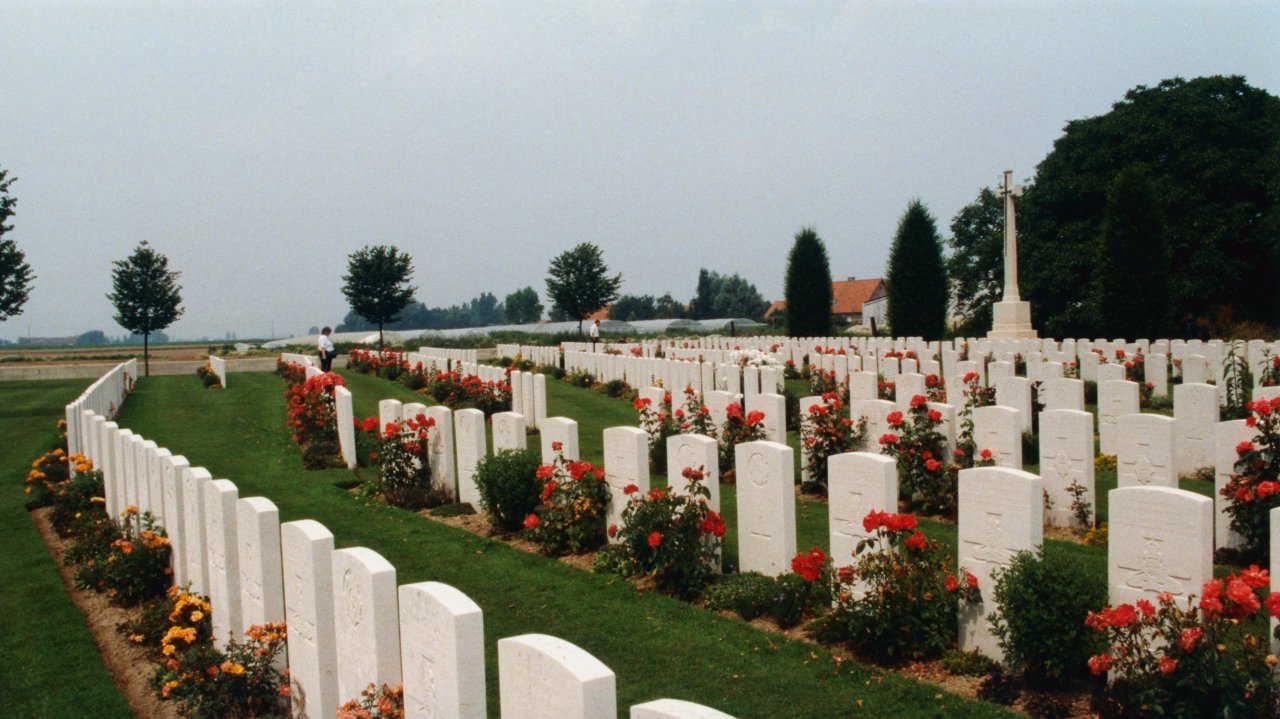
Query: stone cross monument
{"points": [[1011, 317]]}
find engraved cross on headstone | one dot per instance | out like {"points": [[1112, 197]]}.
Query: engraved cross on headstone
{"points": [[1008, 191]]}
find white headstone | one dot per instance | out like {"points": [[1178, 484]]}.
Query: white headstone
{"points": [[999, 429], [194, 481], [675, 709], [441, 652], [1109, 372], [1015, 392], [1060, 393], [346, 425], [508, 431], [1156, 371], [223, 557], [366, 617], [1195, 406], [626, 461], [1146, 453], [542, 677], [1001, 513], [175, 515], [863, 385], [694, 451], [539, 399], [440, 439], [469, 429], [1116, 398], [857, 483], [307, 558], [261, 574], [774, 407], [766, 507], [560, 430], [389, 410], [874, 411], [908, 385], [1066, 457], [1160, 539]]}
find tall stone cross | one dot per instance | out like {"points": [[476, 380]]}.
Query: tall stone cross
{"points": [[1008, 191]]}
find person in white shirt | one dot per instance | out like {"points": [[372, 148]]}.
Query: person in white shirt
{"points": [[327, 350], [595, 334]]}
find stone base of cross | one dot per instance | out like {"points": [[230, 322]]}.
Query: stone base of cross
{"points": [[1011, 320]]}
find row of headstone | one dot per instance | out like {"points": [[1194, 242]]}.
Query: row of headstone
{"points": [[349, 624], [104, 397], [529, 396]]}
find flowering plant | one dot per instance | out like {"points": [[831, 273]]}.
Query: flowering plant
{"points": [[935, 388], [827, 431], [898, 601], [884, 389], [1269, 376], [695, 418], [570, 517], [207, 376], [404, 465], [925, 480], [49, 474], [659, 424], [456, 390], [313, 418], [671, 537], [738, 428], [823, 383], [975, 395], [384, 702], [1202, 660], [290, 372], [367, 436], [241, 680], [134, 566], [1254, 488]]}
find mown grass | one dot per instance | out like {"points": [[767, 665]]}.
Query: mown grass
{"points": [[49, 665], [657, 646]]}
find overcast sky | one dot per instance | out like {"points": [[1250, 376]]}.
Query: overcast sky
{"points": [[257, 144]]}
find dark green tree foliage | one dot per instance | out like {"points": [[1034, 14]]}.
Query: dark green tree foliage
{"points": [[377, 284], [808, 287], [15, 273], [1131, 272], [916, 282], [92, 338], [1211, 147], [578, 282], [719, 296], [666, 307], [146, 295], [522, 307], [976, 264], [629, 308]]}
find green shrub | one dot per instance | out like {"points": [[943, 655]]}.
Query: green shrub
{"points": [[672, 537], [614, 388], [790, 600], [748, 595], [1039, 620], [1161, 402], [509, 486], [969, 664], [134, 567], [579, 378], [572, 510], [1090, 392], [1030, 446], [1000, 688]]}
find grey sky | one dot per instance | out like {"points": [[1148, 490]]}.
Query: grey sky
{"points": [[257, 144]]}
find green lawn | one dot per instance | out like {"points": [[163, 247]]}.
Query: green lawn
{"points": [[49, 665], [657, 646]]}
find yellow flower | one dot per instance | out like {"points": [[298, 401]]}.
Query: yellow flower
{"points": [[231, 667], [170, 650], [129, 511], [197, 615]]}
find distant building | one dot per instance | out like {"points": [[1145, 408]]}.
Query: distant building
{"points": [[876, 307], [849, 300], [48, 341], [601, 314]]}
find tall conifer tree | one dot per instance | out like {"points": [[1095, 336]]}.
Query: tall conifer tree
{"points": [[917, 277], [808, 287]]}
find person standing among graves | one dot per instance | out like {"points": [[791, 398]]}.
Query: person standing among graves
{"points": [[327, 350], [595, 334]]}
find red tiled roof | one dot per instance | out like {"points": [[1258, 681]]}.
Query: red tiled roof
{"points": [[848, 295], [601, 314], [776, 309]]}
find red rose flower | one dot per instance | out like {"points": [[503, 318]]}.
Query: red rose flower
{"points": [[655, 539], [952, 583], [531, 521], [1099, 664], [916, 542], [1189, 639], [1168, 664]]}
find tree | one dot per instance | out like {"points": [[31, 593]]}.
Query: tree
{"points": [[1131, 277], [92, 338], [719, 296], [666, 307], [377, 284], [15, 273], [916, 281], [976, 264], [629, 308], [522, 307], [808, 287], [1211, 148], [578, 282], [146, 294]]}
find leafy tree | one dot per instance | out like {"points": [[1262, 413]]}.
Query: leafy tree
{"points": [[1131, 276], [719, 296], [146, 294], [92, 338], [377, 284], [522, 307], [808, 287], [666, 307], [15, 273], [916, 282], [578, 282], [976, 264], [1211, 148], [633, 307]]}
